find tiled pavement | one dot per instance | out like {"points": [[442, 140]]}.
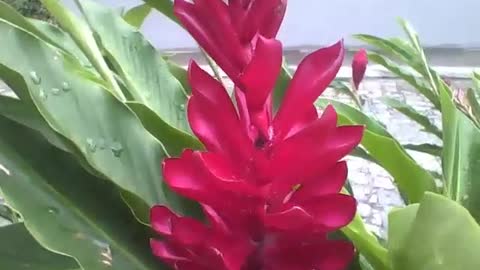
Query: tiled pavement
{"points": [[371, 184]]}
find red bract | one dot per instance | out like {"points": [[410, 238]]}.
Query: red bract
{"points": [[269, 184], [239, 36], [359, 66]]}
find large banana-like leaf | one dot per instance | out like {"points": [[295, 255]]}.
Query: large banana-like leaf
{"points": [[412, 180], [83, 37], [21, 113], [143, 70], [65, 208], [20, 251], [461, 155], [437, 234], [107, 132]]}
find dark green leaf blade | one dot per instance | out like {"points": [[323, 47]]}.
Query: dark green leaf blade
{"points": [[414, 115], [20, 251], [65, 208]]}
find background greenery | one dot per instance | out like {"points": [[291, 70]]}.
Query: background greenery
{"points": [[31, 8]]}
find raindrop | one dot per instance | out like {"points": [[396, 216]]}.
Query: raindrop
{"points": [[117, 149], [465, 197], [87, 65], [35, 78], [55, 91], [53, 210], [66, 87], [42, 94], [182, 107], [91, 145]]}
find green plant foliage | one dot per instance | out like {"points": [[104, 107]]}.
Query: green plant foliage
{"points": [[436, 234]]}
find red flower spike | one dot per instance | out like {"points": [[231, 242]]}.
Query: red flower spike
{"points": [[269, 185], [359, 67]]}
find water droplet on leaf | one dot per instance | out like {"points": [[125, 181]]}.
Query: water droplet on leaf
{"points": [[35, 78], [66, 87], [91, 145], [55, 91], [42, 94], [182, 107], [117, 149], [53, 210]]}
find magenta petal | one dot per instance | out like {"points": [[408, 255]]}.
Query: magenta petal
{"points": [[215, 220], [185, 177], [337, 256], [264, 17], [294, 218], [161, 219], [325, 255], [313, 76], [328, 182], [163, 250], [216, 17], [213, 117], [312, 142], [359, 66], [331, 212], [187, 14], [303, 121], [260, 76], [188, 231]]}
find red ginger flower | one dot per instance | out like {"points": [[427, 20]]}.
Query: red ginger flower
{"points": [[269, 185], [267, 199], [359, 66]]}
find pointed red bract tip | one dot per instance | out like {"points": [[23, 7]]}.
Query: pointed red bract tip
{"points": [[359, 67]]}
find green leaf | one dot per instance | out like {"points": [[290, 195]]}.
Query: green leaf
{"points": [[21, 113], [137, 15], [343, 88], [427, 148], [175, 141], [461, 155], [181, 74], [163, 6], [85, 40], [393, 47], [140, 66], [66, 209], [20, 251], [411, 179], [438, 234], [474, 106], [419, 84], [399, 225], [367, 244], [476, 82], [61, 39], [281, 85], [414, 115], [107, 132]]}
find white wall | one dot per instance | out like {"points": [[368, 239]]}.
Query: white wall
{"points": [[441, 23]]}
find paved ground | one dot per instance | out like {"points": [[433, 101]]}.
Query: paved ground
{"points": [[371, 184]]}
